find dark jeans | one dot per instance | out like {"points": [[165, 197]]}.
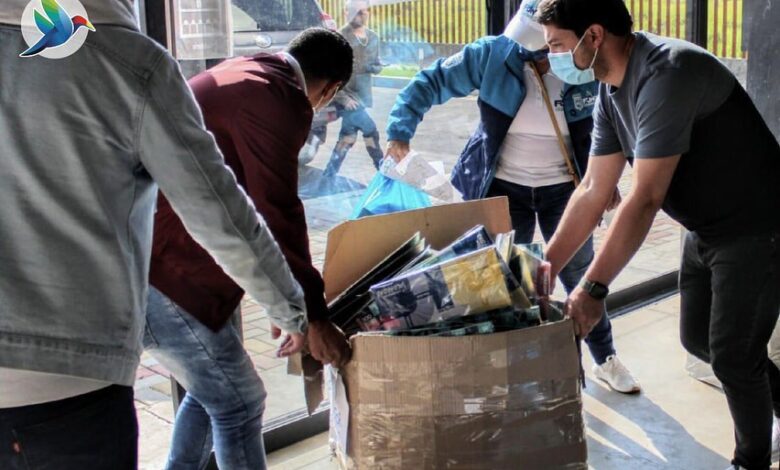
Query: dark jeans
{"points": [[353, 122], [730, 291], [95, 431], [546, 204]]}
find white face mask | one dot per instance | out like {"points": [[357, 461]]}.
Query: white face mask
{"points": [[320, 105]]}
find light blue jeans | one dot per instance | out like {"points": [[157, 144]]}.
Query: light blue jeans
{"points": [[225, 396]]}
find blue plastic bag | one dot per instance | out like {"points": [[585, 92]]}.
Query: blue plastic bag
{"points": [[384, 195]]}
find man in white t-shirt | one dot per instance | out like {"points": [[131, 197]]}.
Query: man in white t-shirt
{"points": [[516, 151]]}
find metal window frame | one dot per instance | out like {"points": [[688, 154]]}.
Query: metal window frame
{"points": [[696, 21], [155, 21]]}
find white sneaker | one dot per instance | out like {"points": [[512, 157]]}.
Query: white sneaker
{"points": [[615, 374], [775, 440]]}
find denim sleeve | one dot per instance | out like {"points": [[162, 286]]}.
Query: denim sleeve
{"points": [[183, 158], [453, 77]]}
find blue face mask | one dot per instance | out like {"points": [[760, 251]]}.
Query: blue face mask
{"points": [[563, 66]]}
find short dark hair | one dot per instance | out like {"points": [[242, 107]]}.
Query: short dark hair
{"points": [[323, 55], [579, 15]]}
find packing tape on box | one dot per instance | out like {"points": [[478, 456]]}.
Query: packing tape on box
{"points": [[529, 398], [486, 440], [497, 401]]}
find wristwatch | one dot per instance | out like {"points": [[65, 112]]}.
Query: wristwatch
{"points": [[595, 289]]}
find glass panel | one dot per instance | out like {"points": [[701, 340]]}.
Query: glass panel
{"points": [[726, 28], [275, 15], [660, 252], [662, 17]]}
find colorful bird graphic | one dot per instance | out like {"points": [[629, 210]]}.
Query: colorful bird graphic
{"points": [[57, 27]]}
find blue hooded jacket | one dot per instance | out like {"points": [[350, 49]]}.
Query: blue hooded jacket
{"points": [[494, 66]]}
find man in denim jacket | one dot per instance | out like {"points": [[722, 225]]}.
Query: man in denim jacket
{"points": [[87, 139], [515, 151]]}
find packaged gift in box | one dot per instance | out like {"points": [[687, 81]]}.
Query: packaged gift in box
{"points": [[472, 283], [495, 321], [473, 240], [533, 272]]}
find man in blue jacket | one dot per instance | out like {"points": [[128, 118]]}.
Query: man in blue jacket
{"points": [[516, 151]]}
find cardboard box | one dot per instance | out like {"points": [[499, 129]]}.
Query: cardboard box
{"points": [[496, 401]]}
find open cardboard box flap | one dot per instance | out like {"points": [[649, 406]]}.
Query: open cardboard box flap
{"points": [[356, 246]]}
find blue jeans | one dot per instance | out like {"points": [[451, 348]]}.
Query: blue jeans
{"points": [[353, 122], [546, 204], [94, 431], [224, 392]]}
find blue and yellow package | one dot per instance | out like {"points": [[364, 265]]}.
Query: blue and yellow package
{"points": [[471, 241], [472, 283]]}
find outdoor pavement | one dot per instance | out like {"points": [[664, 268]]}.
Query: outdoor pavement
{"points": [[441, 136]]}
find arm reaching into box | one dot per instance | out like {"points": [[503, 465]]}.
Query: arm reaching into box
{"points": [[268, 153], [454, 77], [182, 157]]}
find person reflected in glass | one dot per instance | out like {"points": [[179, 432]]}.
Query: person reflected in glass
{"points": [[354, 100]]}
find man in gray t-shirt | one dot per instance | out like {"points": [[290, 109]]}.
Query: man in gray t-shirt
{"points": [[701, 151], [678, 99]]}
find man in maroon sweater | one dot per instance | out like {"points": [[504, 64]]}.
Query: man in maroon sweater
{"points": [[259, 110]]}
